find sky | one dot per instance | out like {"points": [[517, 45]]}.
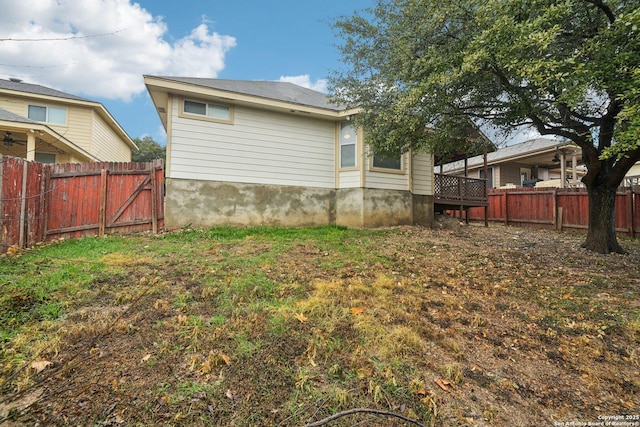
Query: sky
{"points": [[100, 49]]}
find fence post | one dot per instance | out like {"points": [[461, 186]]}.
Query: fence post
{"points": [[556, 212], [102, 221], [45, 199], [23, 205], [506, 207], [1, 197], [634, 203], [154, 198], [630, 211]]}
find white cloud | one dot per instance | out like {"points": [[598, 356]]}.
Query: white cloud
{"points": [[100, 48], [304, 80]]}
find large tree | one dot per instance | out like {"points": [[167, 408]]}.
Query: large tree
{"points": [[568, 68]]}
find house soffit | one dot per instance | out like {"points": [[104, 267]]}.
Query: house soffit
{"points": [[160, 89]]}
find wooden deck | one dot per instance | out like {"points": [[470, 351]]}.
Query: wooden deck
{"points": [[459, 192]]}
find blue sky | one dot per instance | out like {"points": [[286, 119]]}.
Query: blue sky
{"points": [[99, 49]]}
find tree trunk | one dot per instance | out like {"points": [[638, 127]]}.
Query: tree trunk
{"points": [[601, 236]]}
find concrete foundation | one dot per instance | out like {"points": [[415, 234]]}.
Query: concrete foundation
{"points": [[366, 207], [423, 213], [210, 203]]}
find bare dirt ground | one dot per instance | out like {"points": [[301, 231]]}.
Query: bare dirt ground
{"points": [[458, 325]]}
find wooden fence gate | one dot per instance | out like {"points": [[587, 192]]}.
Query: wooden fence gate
{"points": [[40, 202]]}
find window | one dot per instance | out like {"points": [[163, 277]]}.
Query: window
{"points": [[43, 114], [214, 111], [489, 178], [348, 139], [45, 158], [384, 162]]}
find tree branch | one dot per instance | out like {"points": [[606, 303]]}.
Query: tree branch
{"points": [[604, 8], [362, 411]]}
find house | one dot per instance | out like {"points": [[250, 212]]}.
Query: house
{"points": [[538, 162], [274, 153], [49, 126]]}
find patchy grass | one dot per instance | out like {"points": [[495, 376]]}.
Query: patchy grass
{"points": [[459, 325]]}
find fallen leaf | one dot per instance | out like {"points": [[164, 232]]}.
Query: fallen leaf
{"points": [[301, 317], [226, 359], [12, 250], [444, 384], [40, 365], [356, 310], [146, 357], [628, 404], [364, 373], [231, 395]]}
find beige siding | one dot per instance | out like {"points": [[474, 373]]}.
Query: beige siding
{"points": [[387, 180], [13, 105], [510, 174], [79, 127], [259, 147], [106, 144], [422, 174]]}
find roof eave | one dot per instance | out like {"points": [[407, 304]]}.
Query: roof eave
{"points": [[156, 85]]}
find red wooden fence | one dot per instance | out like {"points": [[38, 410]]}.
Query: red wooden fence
{"points": [[41, 202], [566, 208]]}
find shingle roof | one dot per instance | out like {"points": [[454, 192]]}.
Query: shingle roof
{"points": [[11, 117], [528, 147], [20, 86], [279, 91]]}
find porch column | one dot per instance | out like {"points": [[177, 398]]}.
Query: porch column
{"points": [[574, 166], [31, 147], [563, 169]]}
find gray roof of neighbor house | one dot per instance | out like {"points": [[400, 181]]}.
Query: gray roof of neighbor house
{"points": [[279, 91], [12, 117], [20, 86], [527, 148]]}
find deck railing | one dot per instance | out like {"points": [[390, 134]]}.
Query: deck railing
{"points": [[460, 190]]}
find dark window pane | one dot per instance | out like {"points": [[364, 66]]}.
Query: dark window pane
{"points": [[195, 108], [387, 162], [347, 156], [37, 113]]}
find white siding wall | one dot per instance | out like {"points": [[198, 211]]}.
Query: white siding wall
{"points": [[387, 181], [259, 147], [422, 174], [349, 179], [106, 144]]}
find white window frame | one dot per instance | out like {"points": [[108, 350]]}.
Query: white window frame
{"points": [[348, 136], [48, 114], [207, 107]]}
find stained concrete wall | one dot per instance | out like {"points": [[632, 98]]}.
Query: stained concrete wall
{"points": [[366, 207], [210, 203], [423, 213]]}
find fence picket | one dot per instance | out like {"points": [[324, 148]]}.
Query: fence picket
{"points": [[563, 209], [45, 202]]}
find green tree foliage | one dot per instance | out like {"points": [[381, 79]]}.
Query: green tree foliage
{"points": [[565, 67], [148, 150]]}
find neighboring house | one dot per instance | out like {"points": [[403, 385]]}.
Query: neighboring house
{"points": [[537, 162], [49, 126], [632, 179], [273, 153]]}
